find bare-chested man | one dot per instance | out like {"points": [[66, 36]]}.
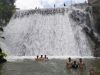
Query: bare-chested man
{"points": [[81, 67], [91, 71], [37, 58], [69, 66], [46, 58], [81, 64], [41, 58], [69, 63]]}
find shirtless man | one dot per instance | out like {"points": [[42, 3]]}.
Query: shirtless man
{"points": [[91, 71], [81, 67], [75, 65], [37, 58], [69, 66], [81, 64], [46, 58], [69, 63], [41, 58]]}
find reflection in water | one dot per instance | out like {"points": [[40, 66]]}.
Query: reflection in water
{"points": [[52, 67], [1, 68]]}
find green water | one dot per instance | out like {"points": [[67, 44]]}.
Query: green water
{"points": [[51, 67]]}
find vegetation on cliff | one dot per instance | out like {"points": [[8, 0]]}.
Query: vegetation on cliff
{"points": [[6, 10], [2, 55]]}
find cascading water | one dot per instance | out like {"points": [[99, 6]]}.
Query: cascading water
{"points": [[53, 32]]}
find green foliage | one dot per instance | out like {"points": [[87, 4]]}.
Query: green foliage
{"points": [[6, 10], [2, 55]]}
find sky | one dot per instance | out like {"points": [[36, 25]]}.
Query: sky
{"points": [[32, 4]]}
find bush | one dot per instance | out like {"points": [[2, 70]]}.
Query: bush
{"points": [[2, 55], [6, 10]]}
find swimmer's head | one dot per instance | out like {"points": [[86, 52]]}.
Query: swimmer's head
{"points": [[69, 59], [45, 56], [74, 62], [80, 59], [41, 56], [37, 56]]}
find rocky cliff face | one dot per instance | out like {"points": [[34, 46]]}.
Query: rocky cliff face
{"points": [[96, 16]]}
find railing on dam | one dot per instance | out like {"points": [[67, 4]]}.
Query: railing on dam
{"points": [[49, 11]]}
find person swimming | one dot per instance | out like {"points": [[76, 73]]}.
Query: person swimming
{"points": [[81, 70], [41, 58], [69, 63], [81, 64], [91, 71], [37, 58], [75, 65], [45, 58]]}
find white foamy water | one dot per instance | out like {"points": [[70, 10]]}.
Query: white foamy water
{"points": [[21, 58], [49, 32]]}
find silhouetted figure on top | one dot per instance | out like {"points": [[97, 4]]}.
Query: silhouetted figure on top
{"points": [[64, 4], [54, 6]]}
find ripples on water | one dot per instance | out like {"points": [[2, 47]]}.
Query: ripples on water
{"points": [[51, 67]]}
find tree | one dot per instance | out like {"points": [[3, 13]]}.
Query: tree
{"points": [[6, 10]]}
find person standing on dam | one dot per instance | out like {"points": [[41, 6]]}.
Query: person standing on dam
{"points": [[64, 4], [54, 5]]}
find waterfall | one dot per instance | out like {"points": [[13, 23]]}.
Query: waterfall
{"points": [[54, 32]]}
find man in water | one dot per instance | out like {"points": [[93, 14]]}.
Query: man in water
{"points": [[37, 58], [69, 63], [81, 67], [91, 71], [75, 65], [81, 64], [41, 58], [69, 66], [46, 58]]}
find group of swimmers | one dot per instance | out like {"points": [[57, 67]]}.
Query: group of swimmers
{"points": [[80, 66], [74, 64], [41, 58]]}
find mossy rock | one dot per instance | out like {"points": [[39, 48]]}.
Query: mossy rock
{"points": [[2, 55]]}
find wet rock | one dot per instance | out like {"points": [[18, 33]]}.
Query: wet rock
{"points": [[1, 29], [3, 61], [78, 16]]}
